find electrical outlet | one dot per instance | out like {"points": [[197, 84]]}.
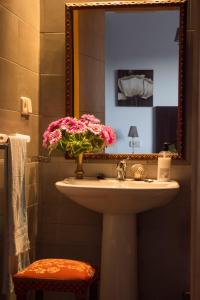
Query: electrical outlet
{"points": [[136, 144]]}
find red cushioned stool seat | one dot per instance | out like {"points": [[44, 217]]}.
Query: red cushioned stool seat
{"points": [[58, 275]]}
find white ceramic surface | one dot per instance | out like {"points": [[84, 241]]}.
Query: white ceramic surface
{"points": [[118, 197], [119, 201]]}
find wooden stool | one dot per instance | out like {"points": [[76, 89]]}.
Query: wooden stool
{"points": [[58, 275]]}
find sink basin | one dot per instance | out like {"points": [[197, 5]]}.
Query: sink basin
{"points": [[118, 197], [119, 201]]}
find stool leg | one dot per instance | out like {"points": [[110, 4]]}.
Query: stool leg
{"points": [[38, 295]]}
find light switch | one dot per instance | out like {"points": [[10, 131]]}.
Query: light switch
{"points": [[26, 106]]}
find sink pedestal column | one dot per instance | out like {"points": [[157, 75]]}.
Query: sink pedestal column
{"points": [[119, 258]]}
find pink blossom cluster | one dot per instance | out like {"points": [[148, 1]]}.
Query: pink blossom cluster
{"points": [[87, 123]]}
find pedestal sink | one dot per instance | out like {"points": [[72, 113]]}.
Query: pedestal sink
{"points": [[119, 201]]}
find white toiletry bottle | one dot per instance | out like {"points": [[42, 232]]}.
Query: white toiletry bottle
{"points": [[164, 164]]}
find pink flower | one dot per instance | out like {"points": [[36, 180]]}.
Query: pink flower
{"points": [[54, 125], [73, 126], [77, 127], [87, 134], [68, 122], [108, 135], [45, 139], [55, 136], [95, 128], [86, 118]]}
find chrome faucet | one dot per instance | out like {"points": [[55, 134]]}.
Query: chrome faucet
{"points": [[121, 169]]}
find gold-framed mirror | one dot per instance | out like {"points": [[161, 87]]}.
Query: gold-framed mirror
{"points": [[125, 64]]}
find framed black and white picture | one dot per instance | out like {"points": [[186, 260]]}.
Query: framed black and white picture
{"points": [[134, 87]]}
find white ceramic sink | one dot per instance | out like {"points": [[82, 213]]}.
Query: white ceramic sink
{"points": [[119, 197], [119, 201]]}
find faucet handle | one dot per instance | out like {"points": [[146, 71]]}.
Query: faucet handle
{"points": [[138, 171], [121, 170], [121, 163]]}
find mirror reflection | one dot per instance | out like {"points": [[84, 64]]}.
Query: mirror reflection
{"points": [[142, 45], [126, 72], [128, 75]]}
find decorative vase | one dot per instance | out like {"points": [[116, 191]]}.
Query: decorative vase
{"points": [[79, 166]]}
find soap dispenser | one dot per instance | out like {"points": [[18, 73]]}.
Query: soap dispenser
{"points": [[164, 164]]}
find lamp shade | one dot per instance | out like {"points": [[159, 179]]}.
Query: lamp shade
{"points": [[133, 131]]}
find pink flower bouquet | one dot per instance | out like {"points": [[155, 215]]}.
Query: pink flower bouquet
{"points": [[76, 136]]}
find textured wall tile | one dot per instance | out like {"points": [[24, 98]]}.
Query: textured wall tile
{"points": [[28, 11], [92, 78], [164, 246], [191, 87], [92, 33], [79, 252], [9, 35], [52, 53], [32, 224], [9, 96], [52, 95], [24, 83], [28, 47], [32, 13], [72, 234], [193, 14], [13, 122], [19, 41], [92, 45], [14, 6], [28, 85], [92, 20], [52, 16], [58, 209]]}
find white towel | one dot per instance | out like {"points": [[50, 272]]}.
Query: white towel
{"points": [[17, 246], [17, 210]]}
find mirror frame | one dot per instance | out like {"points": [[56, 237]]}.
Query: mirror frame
{"points": [[69, 55]]}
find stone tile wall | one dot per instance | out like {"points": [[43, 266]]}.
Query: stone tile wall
{"points": [[19, 76]]}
